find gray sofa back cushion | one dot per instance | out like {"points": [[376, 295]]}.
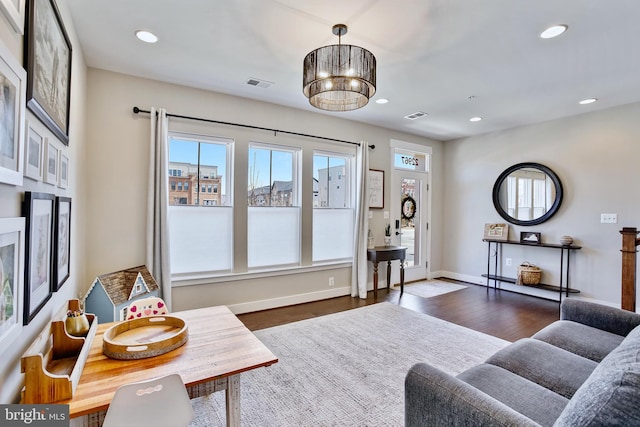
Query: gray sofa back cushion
{"points": [[611, 395]]}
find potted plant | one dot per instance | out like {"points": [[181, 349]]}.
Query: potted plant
{"points": [[387, 235]]}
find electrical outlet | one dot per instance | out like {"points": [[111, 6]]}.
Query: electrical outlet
{"points": [[608, 218], [331, 281], [507, 262]]}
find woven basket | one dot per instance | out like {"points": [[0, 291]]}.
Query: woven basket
{"points": [[528, 274]]}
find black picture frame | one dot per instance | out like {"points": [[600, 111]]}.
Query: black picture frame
{"points": [[376, 189], [530, 237], [61, 264], [48, 58], [38, 210]]}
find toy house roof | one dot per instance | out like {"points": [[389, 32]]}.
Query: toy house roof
{"points": [[118, 285]]}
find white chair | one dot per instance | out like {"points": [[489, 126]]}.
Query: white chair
{"points": [[159, 402]]}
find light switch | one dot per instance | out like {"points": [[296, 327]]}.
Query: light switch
{"points": [[608, 218], [386, 214]]}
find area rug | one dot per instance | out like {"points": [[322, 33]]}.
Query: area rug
{"points": [[346, 369], [431, 288]]}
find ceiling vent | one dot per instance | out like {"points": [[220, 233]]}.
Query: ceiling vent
{"points": [[416, 115], [259, 83]]}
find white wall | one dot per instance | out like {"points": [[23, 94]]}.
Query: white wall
{"points": [[596, 157], [11, 198], [117, 181]]}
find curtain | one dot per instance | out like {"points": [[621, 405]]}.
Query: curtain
{"points": [[158, 261], [360, 268]]}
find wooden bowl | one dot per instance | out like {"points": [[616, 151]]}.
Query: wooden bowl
{"points": [[144, 337]]}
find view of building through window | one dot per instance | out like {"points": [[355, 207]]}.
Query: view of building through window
{"points": [[271, 172], [197, 170], [330, 182]]}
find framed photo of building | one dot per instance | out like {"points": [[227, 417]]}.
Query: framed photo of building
{"points": [[48, 59], [11, 279], [63, 171], [376, 189], [34, 149], [38, 210], [51, 163], [12, 99], [62, 242]]}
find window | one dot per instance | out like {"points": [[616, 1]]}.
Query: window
{"points": [[201, 224], [333, 216], [179, 185], [273, 223]]}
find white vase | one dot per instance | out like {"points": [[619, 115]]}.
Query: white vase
{"points": [[387, 240]]}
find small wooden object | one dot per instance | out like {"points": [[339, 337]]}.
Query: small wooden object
{"points": [[144, 337], [52, 365]]}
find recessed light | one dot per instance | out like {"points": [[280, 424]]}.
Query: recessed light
{"points": [[382, 101], [146, 36], [588, 101], [475, 119], [553, 31]]}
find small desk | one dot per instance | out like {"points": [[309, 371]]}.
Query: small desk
{"points": [[218, 350], [386, 253]]}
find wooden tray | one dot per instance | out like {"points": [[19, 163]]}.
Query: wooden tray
{"points": [[144, 337]]}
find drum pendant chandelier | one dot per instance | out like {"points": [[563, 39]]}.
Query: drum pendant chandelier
{"points": [[339, 77]]}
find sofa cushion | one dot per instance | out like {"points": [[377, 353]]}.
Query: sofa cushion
{"points": [[611, 395], [551, 367], [526, 397], [580, 339]]}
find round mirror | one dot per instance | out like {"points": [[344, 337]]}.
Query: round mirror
{"points": [[527, 194]]}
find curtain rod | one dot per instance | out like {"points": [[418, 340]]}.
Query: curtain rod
{"points": [[137, 110]]}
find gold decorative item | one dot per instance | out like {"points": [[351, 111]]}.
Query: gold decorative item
{"points": [[566, 240], [76, 323]]}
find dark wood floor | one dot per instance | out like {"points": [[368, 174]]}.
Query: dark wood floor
{"points": [[503, 314]]}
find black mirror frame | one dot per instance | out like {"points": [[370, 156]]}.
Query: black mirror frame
{"points": [[556, 203]]}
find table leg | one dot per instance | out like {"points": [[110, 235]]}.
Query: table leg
{"points": [[388, 274], [375, 280], [233, 401], [401, 276]]}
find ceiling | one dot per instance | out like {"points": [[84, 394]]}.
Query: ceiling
{"points": [[451, 59]]}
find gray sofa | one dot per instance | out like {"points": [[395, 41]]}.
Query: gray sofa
{"points": [[582, 370]]}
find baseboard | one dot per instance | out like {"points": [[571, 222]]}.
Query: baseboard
{"points": [[249, 307], [540, 293]]}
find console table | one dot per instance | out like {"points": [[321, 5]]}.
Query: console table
{"points": [[386, 253], [564, 267]]}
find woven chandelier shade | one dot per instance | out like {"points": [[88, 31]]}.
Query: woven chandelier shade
{"points": [[339, 77]]}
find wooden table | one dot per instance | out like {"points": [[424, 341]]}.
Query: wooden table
{"points": [[386, 253], [218, 350]]}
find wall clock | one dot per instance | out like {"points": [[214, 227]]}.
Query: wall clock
{"points": [[408, 208]]}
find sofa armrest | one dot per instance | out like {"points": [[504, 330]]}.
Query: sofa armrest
{"points": [[435, 398], [599, 316]]}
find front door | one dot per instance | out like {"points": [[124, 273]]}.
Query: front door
{"points": [[410, 207]]}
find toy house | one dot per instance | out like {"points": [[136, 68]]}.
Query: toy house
{"points": [[110, 294]]}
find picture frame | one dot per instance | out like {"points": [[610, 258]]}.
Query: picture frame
{"points": [[530, 237], [12, 232], [63, 171], [376, 189], [62, 243], [38, 210], [13, 80], [14, 11], [497, 231], [51, 163], [48, 58], [34, 149]]}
